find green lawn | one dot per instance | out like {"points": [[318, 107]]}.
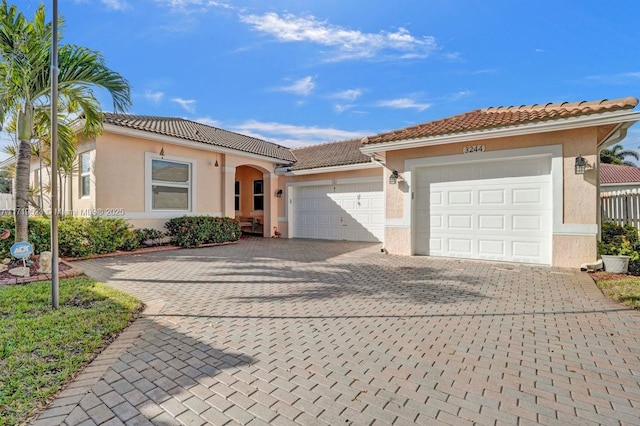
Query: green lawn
{"points": [[621, 288], [42, 348]]}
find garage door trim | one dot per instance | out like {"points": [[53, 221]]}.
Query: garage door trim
{"points": [[553, 151]]}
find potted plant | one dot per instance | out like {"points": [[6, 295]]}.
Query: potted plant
{"points": [[618, 246]]}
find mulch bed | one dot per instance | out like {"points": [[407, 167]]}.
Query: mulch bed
{"points": [[144, 250], [65, 271], [602, 275]]}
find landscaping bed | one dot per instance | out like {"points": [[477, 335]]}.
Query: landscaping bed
{"points": [[41, 349]]}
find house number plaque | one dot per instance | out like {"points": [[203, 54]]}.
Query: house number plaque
{"points": [[473, 148]]}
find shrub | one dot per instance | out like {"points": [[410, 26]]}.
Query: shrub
{"points": [[79, 237], [39, 234], [130, 241], [192, 231], [149, 236], [619, 240]]}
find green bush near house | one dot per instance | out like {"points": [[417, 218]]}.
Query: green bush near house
{"points": [[80, 237], [39, 235], [619, 240], [77, 236], [192, 231]]}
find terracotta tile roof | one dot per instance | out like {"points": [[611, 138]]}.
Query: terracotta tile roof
{"points": [[198, 132], [489, 118], [329, 154], [613, 173]]}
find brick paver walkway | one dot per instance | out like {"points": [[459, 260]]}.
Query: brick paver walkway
{"points": [[298, 332]]}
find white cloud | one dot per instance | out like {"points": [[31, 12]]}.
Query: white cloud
{"points": [[291, 135], [209, 121], [348, 43], [621, 78], [187, 5], [154, 97], [347, 95], [187, 104], [342, 108], [458, 95], [115, 4], [403, 103], [302, 87]]}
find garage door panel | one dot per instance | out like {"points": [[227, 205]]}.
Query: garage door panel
{"points": [[491, 247], [460, 198], [527, 196], [526, 223], [491, 223], [352, 212], [460, 245], [487, 217], [527, 249], [462, 221], [491, 197]]}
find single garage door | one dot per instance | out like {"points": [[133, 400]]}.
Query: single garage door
{"points": [[499, 210], [351, 212]]}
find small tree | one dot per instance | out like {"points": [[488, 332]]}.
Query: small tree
{"points": [[617, 155], [25, 86]]}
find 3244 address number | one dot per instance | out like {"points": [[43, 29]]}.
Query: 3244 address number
{"points": [[473, 148]]}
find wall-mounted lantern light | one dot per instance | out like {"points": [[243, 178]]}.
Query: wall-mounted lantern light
{"points": [[393, 177], [581, 165], [279, 193]]}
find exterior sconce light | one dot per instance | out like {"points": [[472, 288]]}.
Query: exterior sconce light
{"points": [[393, 178], [162, 152], [279, 193], [581, 165]]}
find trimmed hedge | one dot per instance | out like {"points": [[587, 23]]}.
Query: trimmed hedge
{"points": [[192, 231], [86, 236], [83, 236]]}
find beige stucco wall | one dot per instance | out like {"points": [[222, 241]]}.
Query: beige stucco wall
{"points": [[579, 191], [120, 173], [283, 181], [69, 188], [120, 179]]}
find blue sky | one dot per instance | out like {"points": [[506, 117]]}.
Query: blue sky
{"points": [[301, 72]]}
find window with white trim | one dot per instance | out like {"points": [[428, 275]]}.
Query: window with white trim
{"points": [[85, 174], [258, 194], [171, 185]]}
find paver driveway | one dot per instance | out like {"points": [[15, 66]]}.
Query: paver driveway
{"points": [[313, 332]]}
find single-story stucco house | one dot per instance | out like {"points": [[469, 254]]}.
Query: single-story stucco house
{"points": [[508, 184]]}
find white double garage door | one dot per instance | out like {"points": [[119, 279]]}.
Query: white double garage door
{"points": [[497, 210], [345, 211]]}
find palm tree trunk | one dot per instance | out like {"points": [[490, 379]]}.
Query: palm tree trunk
{"points": [[23, 169]]}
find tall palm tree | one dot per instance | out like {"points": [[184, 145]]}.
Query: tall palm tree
{"points": [[617, 155], [25, 61]]}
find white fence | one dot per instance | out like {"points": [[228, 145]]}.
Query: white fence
{"points": [[621, 207], [6, 202]]}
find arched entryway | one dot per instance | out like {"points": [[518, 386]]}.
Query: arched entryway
{"points": [[249, 196]]}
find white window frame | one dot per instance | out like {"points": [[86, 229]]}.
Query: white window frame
{"points": [[86, 174], [148, 182], [258, 194]]}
